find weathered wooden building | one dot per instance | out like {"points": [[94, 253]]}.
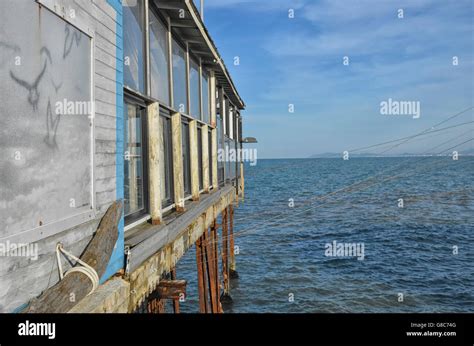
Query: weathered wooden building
{"points": [[104, 101]]}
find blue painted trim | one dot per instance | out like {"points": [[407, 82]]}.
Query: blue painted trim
{"points": [[117, 260]]}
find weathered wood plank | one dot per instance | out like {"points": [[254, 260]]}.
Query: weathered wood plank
{"points": [[193, 140], [97, 254], [155, 135], [178, 177]]}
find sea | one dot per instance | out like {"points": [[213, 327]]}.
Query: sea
{"points": [[364, 235]]}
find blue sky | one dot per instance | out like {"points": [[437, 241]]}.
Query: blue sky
{"points": [[300, 61]]}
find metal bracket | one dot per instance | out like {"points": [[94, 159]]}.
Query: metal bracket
{"points": [[128, 254]]}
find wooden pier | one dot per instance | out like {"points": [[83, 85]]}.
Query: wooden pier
{"points": [[164, 107]]}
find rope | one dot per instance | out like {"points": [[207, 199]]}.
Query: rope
{"points": [[85, 269]]}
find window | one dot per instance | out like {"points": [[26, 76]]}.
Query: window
{"points": [[194, 89], [228, 164], [179, 79], [199, 141], [134, 54], [159, 60], [135, 188], [218, 101], [236, 127], [186, 157], [227, 116], [46, 173], [220, 146], [166, 164], [231, 122], [205, 98], [224, 115]]}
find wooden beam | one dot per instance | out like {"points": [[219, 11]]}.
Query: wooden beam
{"points": [[205, 158], [194, 158], [195, 40], [182, 23], [215, 181], [155, 155], [171, 289], [168, 5], [97, 254], [200, 52], [178, 177]]}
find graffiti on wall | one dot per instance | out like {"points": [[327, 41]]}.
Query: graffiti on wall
{"points": [[45, 169]]}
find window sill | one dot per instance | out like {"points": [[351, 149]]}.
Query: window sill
{"points": [[136, 223]]}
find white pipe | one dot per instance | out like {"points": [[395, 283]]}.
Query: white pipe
{"points": [[202, 9]]}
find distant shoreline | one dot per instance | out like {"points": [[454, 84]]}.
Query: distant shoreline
{"points": [[360, 156]]}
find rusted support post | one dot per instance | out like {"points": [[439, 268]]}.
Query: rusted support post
{"points": [[175, 301], [201, 267], [215, 243], [156, 306], [212, 272], [225, 257], [232, 270]]}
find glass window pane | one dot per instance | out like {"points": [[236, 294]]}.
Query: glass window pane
{"points": [[194, 89], [179, 79], [159, 60], [186, 159], [134, 172], [231, 123], [133, 54], [166, 165], [205, 98]]}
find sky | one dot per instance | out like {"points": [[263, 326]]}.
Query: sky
{"points": [[299, 61]]}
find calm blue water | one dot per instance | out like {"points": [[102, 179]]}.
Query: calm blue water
{"points": [[407, 250]]}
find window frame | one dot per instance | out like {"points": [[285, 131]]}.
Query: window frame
{"points": [[198, 64], [180, 44], [156, 13], [167, 139], [203, 114], [186, 154], [129, 98], [145, 50]]}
